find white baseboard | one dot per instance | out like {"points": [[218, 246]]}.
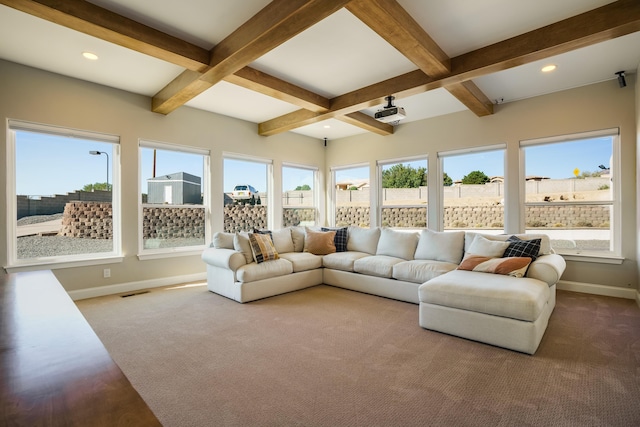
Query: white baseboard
{"points": [[589, 288], [101, 291]]}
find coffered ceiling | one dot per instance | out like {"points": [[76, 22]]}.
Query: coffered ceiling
{"points": [[322, 68]]}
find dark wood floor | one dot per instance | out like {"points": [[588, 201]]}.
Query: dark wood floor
{"points": [[54, 370]]}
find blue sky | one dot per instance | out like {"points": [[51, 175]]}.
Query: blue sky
{"points": [[48, 164]]}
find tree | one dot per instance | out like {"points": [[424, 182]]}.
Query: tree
{"points": [[302, 188], [475, 177], [98, 186], [401, 176], [446, 180]]}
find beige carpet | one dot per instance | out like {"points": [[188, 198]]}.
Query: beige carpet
{"points": [[330, 357]]}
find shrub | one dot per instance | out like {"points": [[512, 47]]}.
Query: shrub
{"points": [[536, 224], [459, 224]]}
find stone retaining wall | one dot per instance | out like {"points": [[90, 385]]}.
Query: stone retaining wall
{"points": [[244, 218], [87, 220], [173, 223]]}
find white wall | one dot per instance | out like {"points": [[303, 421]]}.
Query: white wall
{"points": [[38, 96], [599, 106]]}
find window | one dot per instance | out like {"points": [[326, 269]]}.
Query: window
{"points": [[299, 196], [246, 181], [571, 192], [403, 193], [351, 196], [473, 189], [174, 205], [63, 195]]}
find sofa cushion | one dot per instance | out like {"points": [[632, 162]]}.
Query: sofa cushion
{"points": [[303, 261], [376, 265], [398, 244], [363, 239], [419, 271], [510, 266], [241, 244], [522, 248], [223, 240], [342, 260], [319, 242], [262, 247], [253, 272], [522, 299], [446, 246], [489, 248], [341, 237]]}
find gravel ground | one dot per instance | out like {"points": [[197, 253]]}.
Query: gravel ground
{"points": [[36, 219]]}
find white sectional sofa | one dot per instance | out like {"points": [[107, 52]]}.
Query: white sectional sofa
{"points": [[461, 281]]}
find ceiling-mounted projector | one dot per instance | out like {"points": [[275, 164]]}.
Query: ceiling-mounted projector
{"points": [[390, 113]]}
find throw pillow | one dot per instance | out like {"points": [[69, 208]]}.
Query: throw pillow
{"points": [[488, 248], [282, 240], [319, 242], [513, 266], [341, 238], [255, 230], [522, 248], [262, 247]]}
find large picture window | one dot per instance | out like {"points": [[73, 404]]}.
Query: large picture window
{"points": [[571, 191], [352, 199], [473, 189], [403, 193], [299, 196], [174, 198], [246, 184], [64, 193]]}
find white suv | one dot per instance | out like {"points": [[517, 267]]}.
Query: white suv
{"points": [[245, 193]]}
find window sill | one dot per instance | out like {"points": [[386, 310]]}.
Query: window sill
{"points": [[54, 265], [171, 253], [593, 258]]}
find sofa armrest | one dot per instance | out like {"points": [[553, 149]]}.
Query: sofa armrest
{"points": [[224, 258], [548, 268]]}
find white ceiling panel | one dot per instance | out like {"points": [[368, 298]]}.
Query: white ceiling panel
{"points": [[335, 56], [41, 44], [235, 101], [574, 69]]}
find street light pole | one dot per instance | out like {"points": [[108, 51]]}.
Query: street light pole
{"points": [[97, 153]]}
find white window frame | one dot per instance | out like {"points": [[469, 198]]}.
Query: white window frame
{"points": [[145, 254], [63, 261], [380, 164], [614, 256], [333, 195], [316, 185], [269, 172], [453, 153]]}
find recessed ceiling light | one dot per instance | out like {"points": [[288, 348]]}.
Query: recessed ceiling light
{"points": [[90, 55], [327, 127], [548, 68]]}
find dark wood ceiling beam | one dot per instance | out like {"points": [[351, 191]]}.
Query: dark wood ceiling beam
{"points": [[391, 22], [98, 22], [598, 25], [605, 23], [276, 23], [257, 81], [402, 86], [398, 28], [366, 122]]}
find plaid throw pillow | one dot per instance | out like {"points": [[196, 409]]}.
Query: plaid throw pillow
{"points": [[255, 230], [522, 248], [341, 238], [262, 248]]}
